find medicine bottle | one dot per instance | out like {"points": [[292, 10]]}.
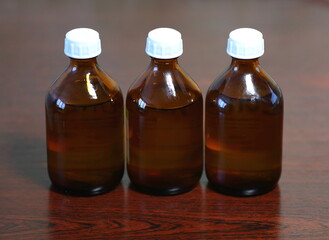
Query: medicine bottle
{"points": [[244, 121], [165, 123], [84, 121]]}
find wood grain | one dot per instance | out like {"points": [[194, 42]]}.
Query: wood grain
{"points": [[296, 39]]}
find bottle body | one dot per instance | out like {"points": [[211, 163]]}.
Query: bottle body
{"points": [[165, 130], [244, 124], [85, 130]]}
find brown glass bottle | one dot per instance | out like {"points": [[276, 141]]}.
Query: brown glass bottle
{"points": [[85, 130], [244, 120], [165, 128]]}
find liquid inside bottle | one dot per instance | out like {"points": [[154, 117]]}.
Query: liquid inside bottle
{"points": [[244, 143], [165, 130], [85, 129], [85, 145]]}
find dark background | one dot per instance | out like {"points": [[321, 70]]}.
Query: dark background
{"points": [[296, 36]]}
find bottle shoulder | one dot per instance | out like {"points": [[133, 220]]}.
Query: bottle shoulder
{"points": [[158, 88], [248, 84], [88, 86]]}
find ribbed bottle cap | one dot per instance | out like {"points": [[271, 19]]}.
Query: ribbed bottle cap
{"points": [[164, 43], [82, 43], [245, 43]]}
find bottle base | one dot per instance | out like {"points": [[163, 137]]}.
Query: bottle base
{"points": [[160, 191], [241, 192], [82, 193]]}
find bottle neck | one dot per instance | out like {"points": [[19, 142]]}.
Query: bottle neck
{"points": [[83, 63], [164, 63], [239, 64]]}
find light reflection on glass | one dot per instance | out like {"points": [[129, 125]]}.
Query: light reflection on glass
{"points": [[141, 103], [170, 85], [221, 103], [274, 97], [249, 85], [90, 88], [60, 104]]}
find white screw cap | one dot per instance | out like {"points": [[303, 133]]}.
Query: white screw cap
{"points": [[82, 43], [245, 43], [164, 43]]}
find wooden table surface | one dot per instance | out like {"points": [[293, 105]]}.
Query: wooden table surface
{"points": [[31, 57]]}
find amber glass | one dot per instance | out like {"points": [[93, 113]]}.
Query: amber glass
{"points": [[85, 130], [243, 130], [165, 130]]}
